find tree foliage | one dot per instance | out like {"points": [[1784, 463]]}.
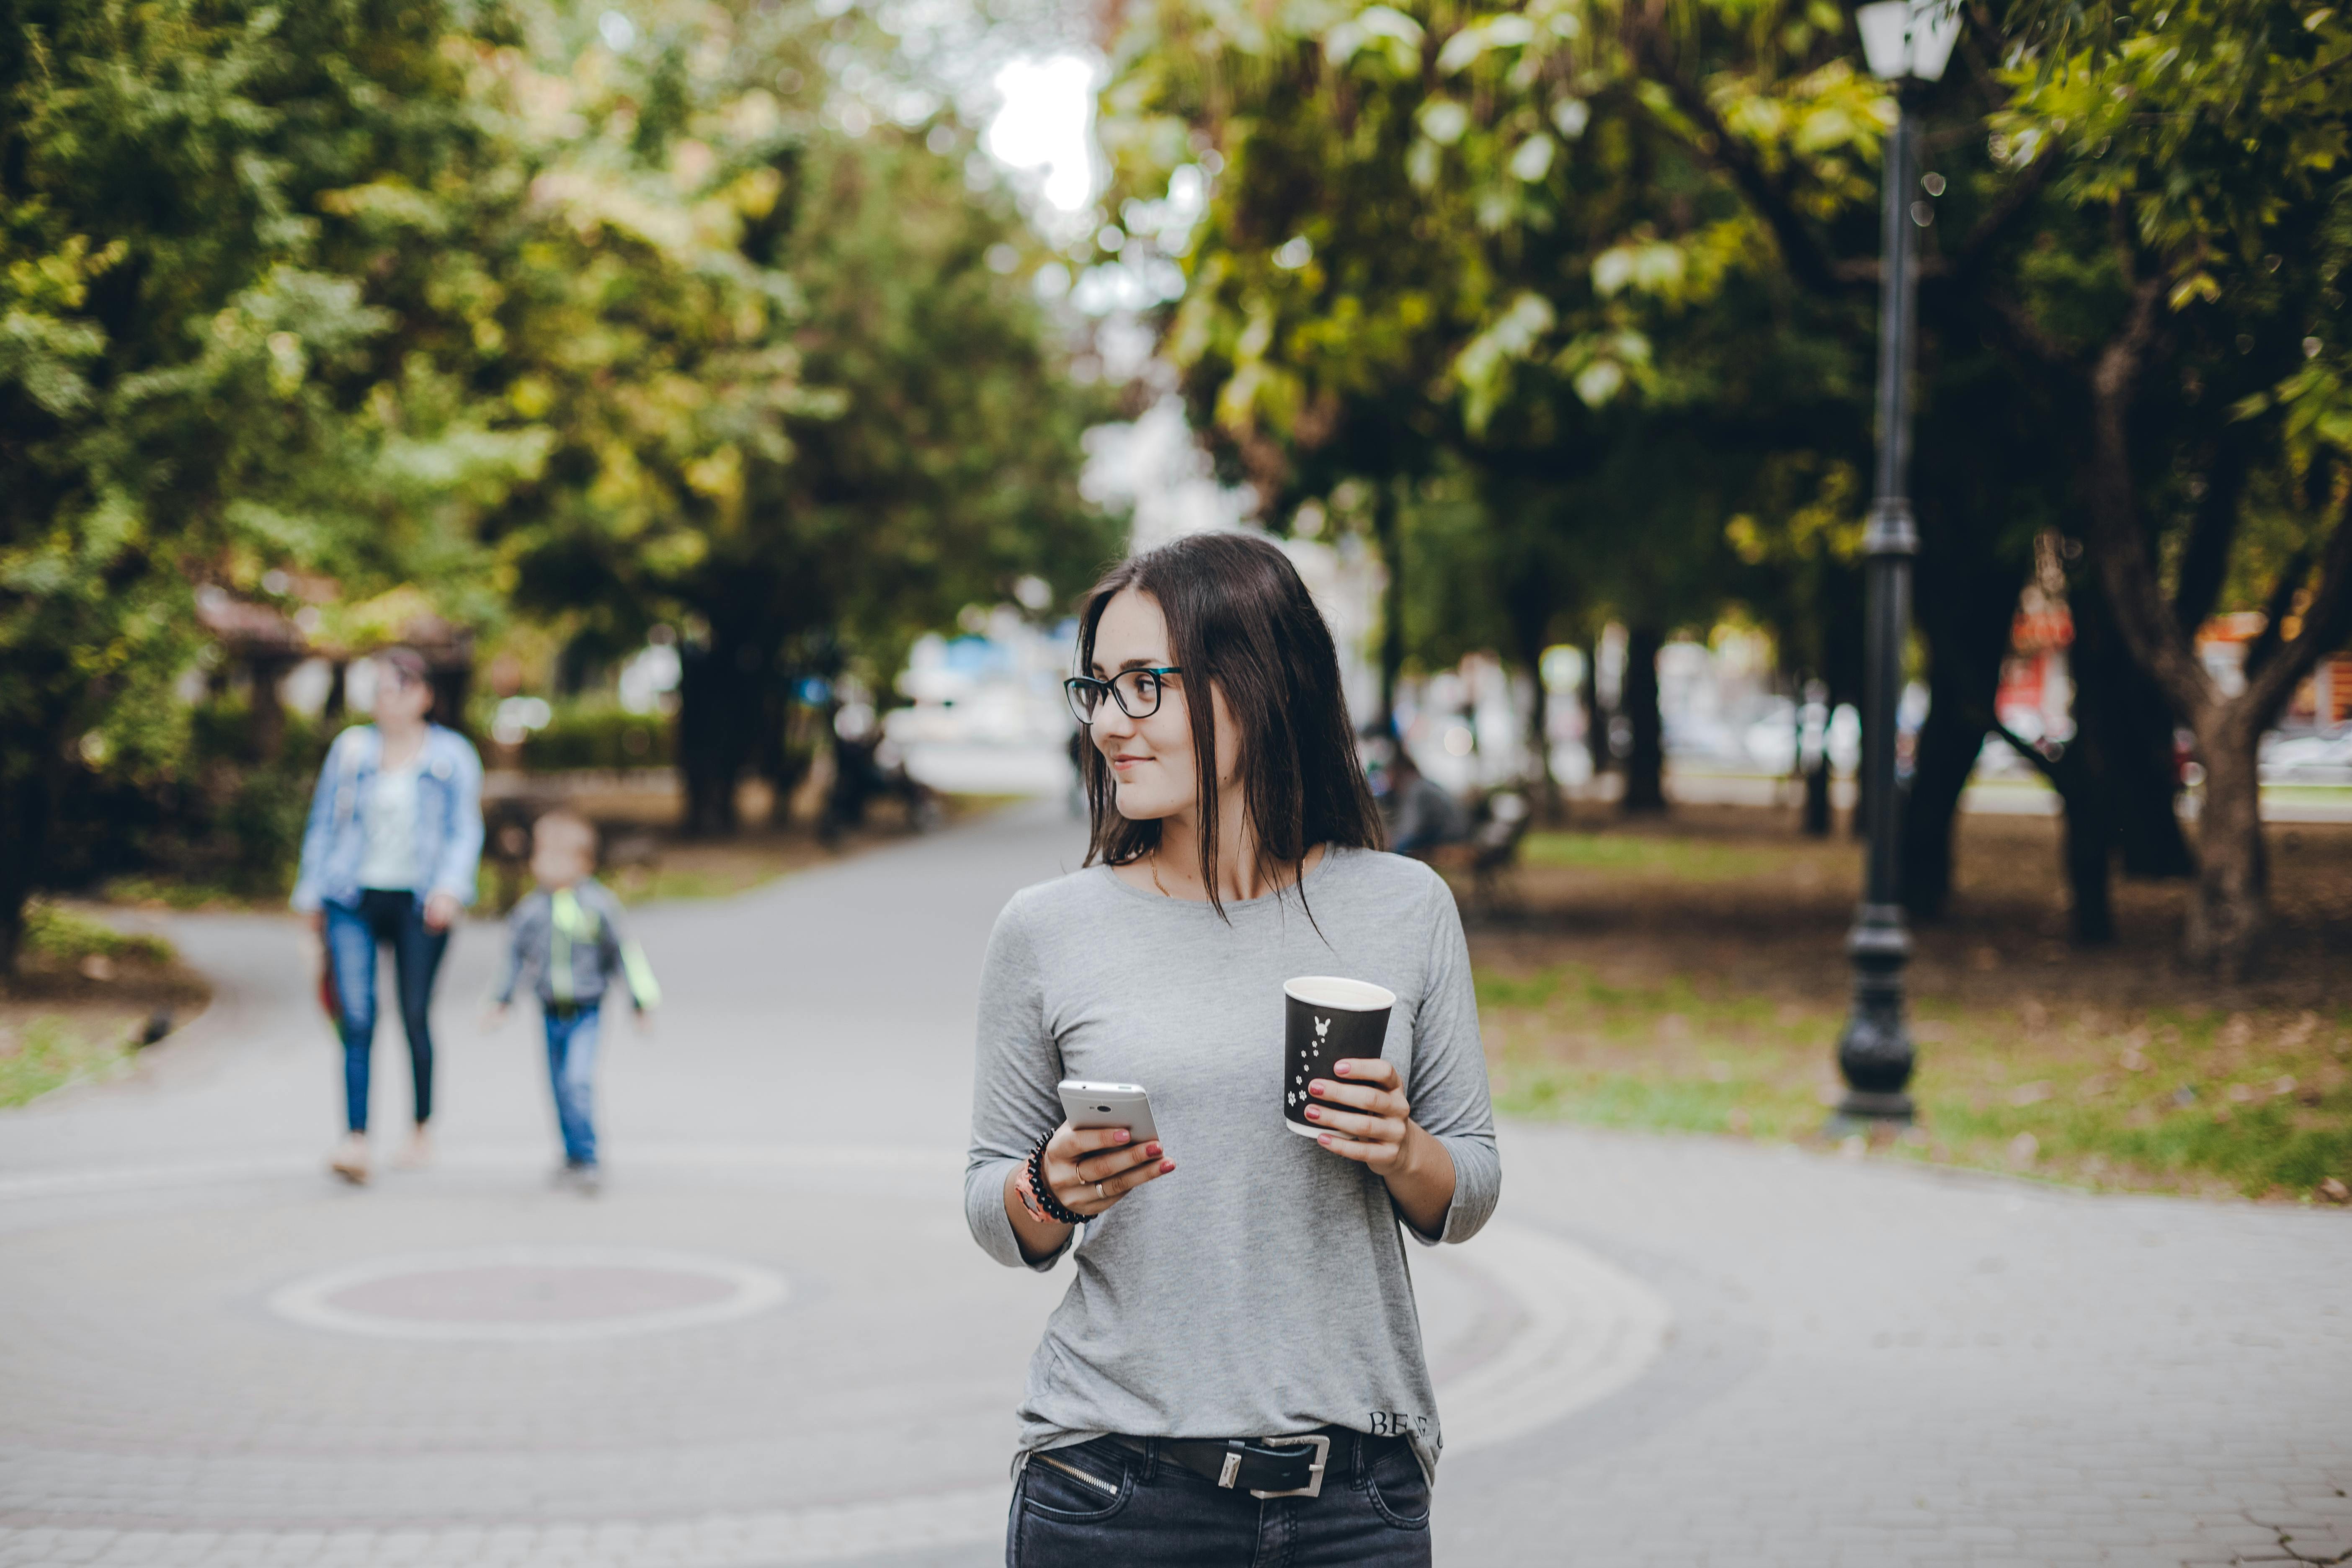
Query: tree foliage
{"points": [[1622, 258], [501, 306]]}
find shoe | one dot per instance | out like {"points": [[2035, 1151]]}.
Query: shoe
{"points": [[349, 1159], [588, 1180], [416, 1154]]}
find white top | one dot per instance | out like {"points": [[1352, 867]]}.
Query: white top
{"points": [[389, 818]]}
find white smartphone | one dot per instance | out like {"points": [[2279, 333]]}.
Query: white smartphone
{"points": [[1091, 1105]]}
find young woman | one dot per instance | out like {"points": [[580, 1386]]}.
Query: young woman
{"points": [[390, 856], [1241, 1309]]}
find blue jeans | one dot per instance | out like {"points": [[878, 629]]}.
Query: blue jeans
{"points": [[1138, 1510], [352, 934], [572, 1070]]}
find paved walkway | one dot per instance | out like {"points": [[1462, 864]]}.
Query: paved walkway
{"points": [[769, 1341]]}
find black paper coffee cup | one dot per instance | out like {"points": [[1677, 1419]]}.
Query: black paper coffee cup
{"points": [[1328, 1020]]}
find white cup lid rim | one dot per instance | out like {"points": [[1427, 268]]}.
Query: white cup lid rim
{"points": [[1338, 992]]}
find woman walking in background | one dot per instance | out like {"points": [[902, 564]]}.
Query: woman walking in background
{"points": [[389, 857], [1237, 1373]]}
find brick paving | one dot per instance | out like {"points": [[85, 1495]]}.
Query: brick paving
{"points": [[1865, 1364]]}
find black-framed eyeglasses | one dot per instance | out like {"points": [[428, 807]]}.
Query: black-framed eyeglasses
{"points": [[1137, 692]]}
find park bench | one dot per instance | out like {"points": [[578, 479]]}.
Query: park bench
{"points": [[1491, 853], [1495, 851]]}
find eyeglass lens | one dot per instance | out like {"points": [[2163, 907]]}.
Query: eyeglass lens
{"points": [[1137, 692]]}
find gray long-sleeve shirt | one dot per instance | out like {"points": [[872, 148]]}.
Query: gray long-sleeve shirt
{"points": [[1260, 1289], [572, 942]]}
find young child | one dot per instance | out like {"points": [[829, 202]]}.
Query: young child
{"points": [[568, 934]]}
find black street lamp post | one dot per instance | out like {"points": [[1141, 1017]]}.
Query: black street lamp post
{"points": [[1905, 42]]}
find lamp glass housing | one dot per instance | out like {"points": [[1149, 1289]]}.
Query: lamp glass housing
{"points": [[1907, 38], [1885, 27], [1935, 29]]}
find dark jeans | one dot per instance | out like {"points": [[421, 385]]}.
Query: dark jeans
{"points": [[572, 1071], [1138, 1510], [351, 938]]}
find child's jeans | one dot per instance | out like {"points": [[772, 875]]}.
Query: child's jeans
{"points": [[571, 1070]]}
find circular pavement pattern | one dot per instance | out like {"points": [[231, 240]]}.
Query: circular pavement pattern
{"points": [[636, 1383], [525, 1294]]}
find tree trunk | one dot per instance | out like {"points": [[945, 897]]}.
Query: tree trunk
{"points": [[2228, 910], [1530, 619], [719, 722], [2087, 848], [785, 758], [1546, 787], [26, 798], [1596, 723], [1645, 760], [1949, 747], [1818, 814], [2122, 714], [266, 736], [1387, 533], [1966, 623], [2089, 854]]}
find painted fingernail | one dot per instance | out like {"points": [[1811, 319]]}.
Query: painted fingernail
{"points": [[1319, 1086], [1325, 1140], [1166, 1166], [1314, 1113], [1151, 1149], [1341, 1069], [1118, 1135]]}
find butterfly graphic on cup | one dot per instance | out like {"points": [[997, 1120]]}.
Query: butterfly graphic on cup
{"points": [[1316, 1004]]}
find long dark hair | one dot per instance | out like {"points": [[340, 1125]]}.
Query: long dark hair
{"points": [[1239, 618]]}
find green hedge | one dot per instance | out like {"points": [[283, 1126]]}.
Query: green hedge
{"points": [[600, 738]]}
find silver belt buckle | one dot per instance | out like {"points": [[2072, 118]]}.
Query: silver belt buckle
{"points": [[1314, 1487]]}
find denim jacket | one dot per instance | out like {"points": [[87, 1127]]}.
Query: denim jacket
{"points": [[448, 818]]}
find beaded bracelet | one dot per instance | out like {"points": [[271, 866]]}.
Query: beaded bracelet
{"points": [[1043, 1192]]}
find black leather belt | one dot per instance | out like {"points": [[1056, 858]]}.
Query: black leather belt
{"points": [[1262, 1467]]}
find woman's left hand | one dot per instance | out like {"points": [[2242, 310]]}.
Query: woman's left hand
{"points": [[1376, 1130], [1376, 1125], [441, 912]]}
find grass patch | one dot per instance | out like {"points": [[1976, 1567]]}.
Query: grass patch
{"points": [[185, 895], [1681, 859], [67, 936], [2257, 1102], [46, 1054]]}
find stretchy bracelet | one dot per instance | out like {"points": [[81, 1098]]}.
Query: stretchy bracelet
{"points": [[1043, 1192]]}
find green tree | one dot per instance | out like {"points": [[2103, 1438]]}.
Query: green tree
{"points": [[200, 376], [1443, 236], [801, 399], [2200, 152]]}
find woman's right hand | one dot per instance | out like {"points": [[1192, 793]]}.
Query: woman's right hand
{"points": [[1092, 1169], [1074, 1162]]}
